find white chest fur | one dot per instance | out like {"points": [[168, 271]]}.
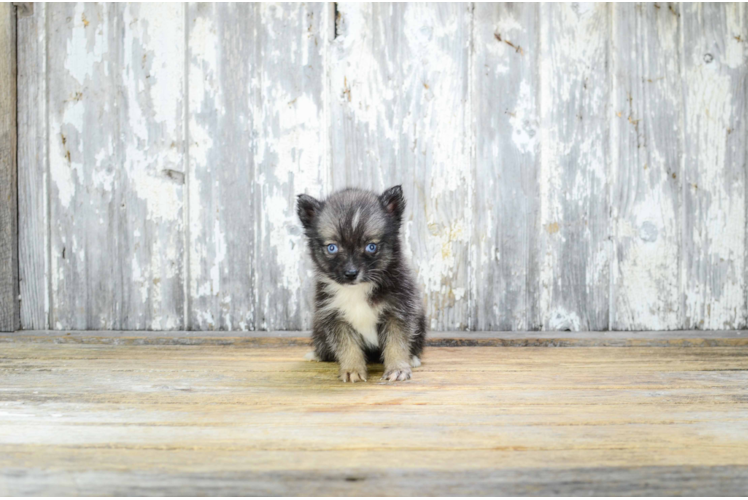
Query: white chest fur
{"points": [[352, 302]]}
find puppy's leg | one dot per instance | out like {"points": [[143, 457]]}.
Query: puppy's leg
{"points": [[349, 354], [320, 346], [397, 358]]}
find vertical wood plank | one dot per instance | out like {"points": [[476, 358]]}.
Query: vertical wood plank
{"points": [[33, 241], [505, 82], [84, 157], [399, 106], [114, 140], [574, 177], [715, 38], [150, 176], [290, 156], [257, 128], [222, 78], [646, 171], [9, 305]]}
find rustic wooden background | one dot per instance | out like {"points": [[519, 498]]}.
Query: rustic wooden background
{"points": [[567, 166]]}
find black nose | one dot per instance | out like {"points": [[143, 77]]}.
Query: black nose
{"points": [[351, 274]]}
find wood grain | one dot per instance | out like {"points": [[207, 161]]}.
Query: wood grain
{"points": [[9, 304], [574, 172], [97, 419], [715, 66], [400, 115], [567, 167], [33, 174], [83, 68], [680, 338], [291, 155], [257, 126], [646, 174], [506, 166], [221, 248], [115, 106], [149, 176], [594, 481]]}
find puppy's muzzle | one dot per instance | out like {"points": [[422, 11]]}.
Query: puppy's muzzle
{"points": [[351, 274]]}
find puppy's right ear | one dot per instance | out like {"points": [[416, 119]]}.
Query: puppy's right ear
{"points": [[308, 209]]}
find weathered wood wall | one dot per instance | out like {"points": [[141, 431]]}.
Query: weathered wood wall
{"points": [[567, 166], [9, 305]]}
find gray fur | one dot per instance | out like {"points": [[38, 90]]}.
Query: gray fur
{"points": [[378, 315]]}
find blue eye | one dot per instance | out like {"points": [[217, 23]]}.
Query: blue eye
{"points": [[332, 248], [371, 247]]}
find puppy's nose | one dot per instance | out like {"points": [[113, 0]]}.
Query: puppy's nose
{"points": [[351, 274]]}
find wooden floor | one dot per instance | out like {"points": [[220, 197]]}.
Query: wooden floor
{"points": [[82, 417]]}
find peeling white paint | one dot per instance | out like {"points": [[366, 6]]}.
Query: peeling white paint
{"points": [[163, 199], [715, 73], [562, 320], [139, 280], [522, 120], [218, 257], [395, 102], [736, 44], [285, 247], [62, 175], [80, 63], [163, 59], [573, 99]]}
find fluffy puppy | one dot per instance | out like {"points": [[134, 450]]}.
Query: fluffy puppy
{"points": [[367, 305]]}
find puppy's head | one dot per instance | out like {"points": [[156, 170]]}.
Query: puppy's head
{"points": [[353, 234]]}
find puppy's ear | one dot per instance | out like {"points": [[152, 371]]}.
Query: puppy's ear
{"points": [[393, 202], [308, 209]]}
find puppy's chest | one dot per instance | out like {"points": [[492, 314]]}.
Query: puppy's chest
{"points": [[352, 303]]}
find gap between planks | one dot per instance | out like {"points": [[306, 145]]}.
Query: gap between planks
{"points": [[685, 338]]}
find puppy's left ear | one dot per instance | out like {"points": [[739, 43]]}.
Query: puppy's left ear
{"points": [[307, 208], [393, 202]]}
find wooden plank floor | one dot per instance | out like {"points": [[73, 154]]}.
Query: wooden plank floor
{"points": [[97, 418]]}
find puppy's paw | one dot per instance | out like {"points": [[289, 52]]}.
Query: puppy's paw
{"points": [[353, 375], [415, 361], [311, 356], [397, 374]]}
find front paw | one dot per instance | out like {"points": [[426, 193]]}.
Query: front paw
{"points": [[353, 375], [312, 356], [397, 374]]}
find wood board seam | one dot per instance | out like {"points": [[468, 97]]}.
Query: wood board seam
{"points": [[186, 256]]}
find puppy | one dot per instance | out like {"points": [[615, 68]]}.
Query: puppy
{"points": [[367, 305]]}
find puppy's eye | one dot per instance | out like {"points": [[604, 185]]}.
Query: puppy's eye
{"points": [[371, 247], [332, 248]]}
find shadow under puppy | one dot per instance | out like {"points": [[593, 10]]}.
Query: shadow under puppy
{"points": [[367, 305]]}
